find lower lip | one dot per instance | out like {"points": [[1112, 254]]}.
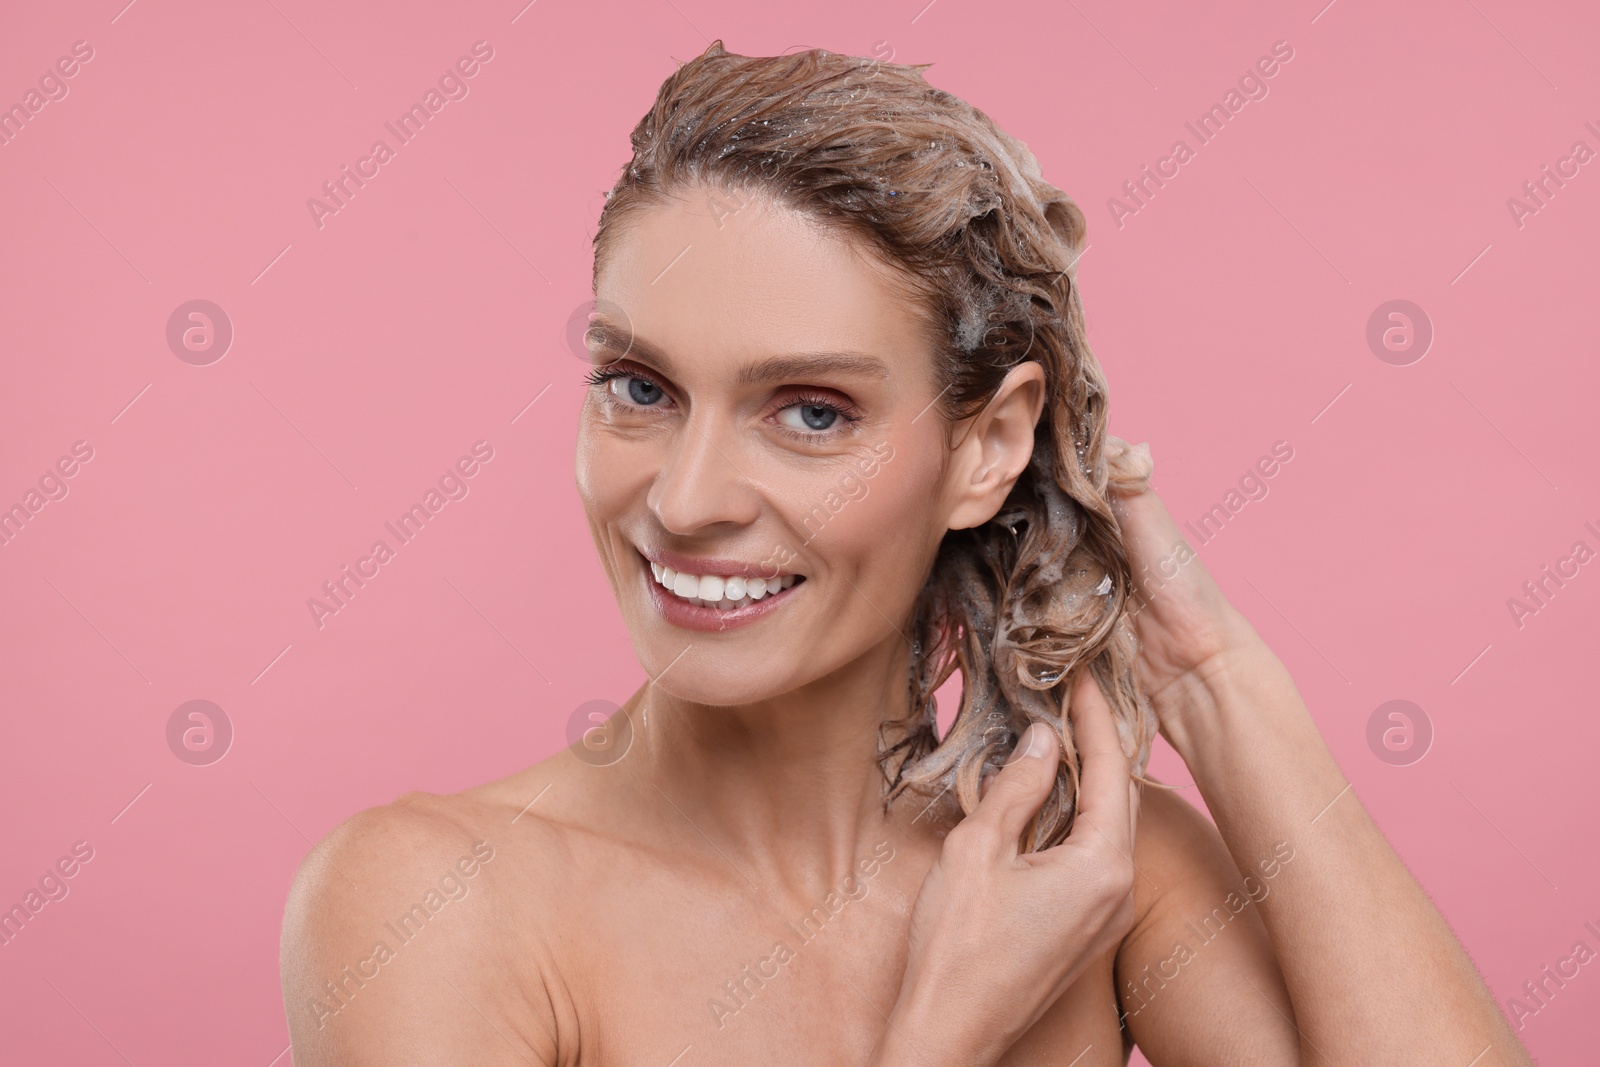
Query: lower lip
{"points": [[689, 616]]}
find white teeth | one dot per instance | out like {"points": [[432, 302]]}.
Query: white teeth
{"points": [[717, 591]]}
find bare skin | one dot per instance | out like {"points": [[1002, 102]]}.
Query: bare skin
{"points": [[730, 890], [606, 924]]}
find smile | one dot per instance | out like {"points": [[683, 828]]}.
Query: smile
{"points": [[722, 592], [715, 595]]}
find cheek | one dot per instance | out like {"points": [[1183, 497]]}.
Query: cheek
{"points": [[613, 478], [587, 469], [609, 470], [894, 526]]}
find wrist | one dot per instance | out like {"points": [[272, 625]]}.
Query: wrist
{"points": [[1211, 697], [1246, 736], [923, 1034]]}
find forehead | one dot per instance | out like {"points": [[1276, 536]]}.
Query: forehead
{"points": [[708, 274]]}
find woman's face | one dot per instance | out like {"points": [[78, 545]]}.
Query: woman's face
{"points": [[762, 463]]}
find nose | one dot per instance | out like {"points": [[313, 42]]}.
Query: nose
{"points": [[700, 485]]}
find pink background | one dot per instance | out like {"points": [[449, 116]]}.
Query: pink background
{"points": [[1230, 312]]}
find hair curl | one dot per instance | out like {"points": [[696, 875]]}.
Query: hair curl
{"points": [[1020, 605]]}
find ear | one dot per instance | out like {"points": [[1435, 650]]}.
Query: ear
{"points": [[995, 448]]}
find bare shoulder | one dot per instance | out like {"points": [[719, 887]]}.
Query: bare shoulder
{"points": [[1180, 853], [380, 852], [1196, 977], [1173, 837], [391, 852], [398, 939]]}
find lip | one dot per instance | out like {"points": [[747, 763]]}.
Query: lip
{"points": [[689, 616]]}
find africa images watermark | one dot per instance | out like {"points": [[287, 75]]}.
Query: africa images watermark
{"points": [[52, 486], [742, 988], [353, 978], [1541, 190], [852, 487], [452, 485], [52, 887], [1538, 993], [1143, 988], [52, 88], [1537, 592], [1252, 85], [1252, 486], [339, 191]]}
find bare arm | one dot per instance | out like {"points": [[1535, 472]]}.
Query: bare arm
{"points": [[1373, 972], [1196, 977]]}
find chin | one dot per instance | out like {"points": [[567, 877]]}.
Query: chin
{"points": [[719, 688], [729, 669]]}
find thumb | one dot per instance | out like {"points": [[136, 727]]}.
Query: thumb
{"points": [[1017, 792]]}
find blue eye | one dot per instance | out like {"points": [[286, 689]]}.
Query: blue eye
{"points": [[640, 391], [813, 417]]}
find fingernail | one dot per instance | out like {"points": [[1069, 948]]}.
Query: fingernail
{"points": [[1031, 743]]}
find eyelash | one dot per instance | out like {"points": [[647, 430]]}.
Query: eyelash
{"points": [[610, 373], [601, 375], [811, 400]]}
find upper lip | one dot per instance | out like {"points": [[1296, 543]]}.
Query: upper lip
{"points": [[703, 565]]}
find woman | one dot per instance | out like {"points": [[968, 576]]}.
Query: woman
{"points": [[844, 434]]}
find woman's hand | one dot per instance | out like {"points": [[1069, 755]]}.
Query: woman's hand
{"points": [[1188, 632], [1372, 970], [1002, 934]]}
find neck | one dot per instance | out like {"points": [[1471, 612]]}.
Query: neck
{"points": [[789, 790]]}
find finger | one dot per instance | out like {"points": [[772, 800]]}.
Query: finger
{"points": [[1129, 467], [1135, 795], [1019, 790], [1151, 533], [1103, 796], [1159, 554]]}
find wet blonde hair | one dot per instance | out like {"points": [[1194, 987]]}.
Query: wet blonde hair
{"points": [[1024, 603]]}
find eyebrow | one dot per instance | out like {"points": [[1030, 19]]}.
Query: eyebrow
{"points": [[809, 364], [605, 335]]}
